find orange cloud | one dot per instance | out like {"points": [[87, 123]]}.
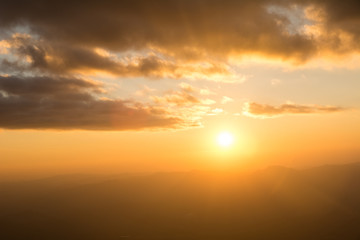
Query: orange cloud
{"points": [[257, 110], [38, 55], [71, 103], [186, 96], [193, 30]]}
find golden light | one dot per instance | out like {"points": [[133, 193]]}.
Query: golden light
{"points": [[225, 139]]}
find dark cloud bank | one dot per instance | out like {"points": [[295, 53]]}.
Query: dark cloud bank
{"points": [[179, 27], [217, 27], [68, 103], [60, 58]]}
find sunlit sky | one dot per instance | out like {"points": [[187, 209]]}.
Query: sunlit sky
{"points": [[144, 86]]}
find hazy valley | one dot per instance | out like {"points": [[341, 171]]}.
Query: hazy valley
{"points": [[274, 203]]}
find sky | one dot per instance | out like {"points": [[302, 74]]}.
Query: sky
{"points": [[147, 86]]}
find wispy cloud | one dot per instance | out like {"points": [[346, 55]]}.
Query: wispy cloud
{"points": [[257, 110], [186, 96], [226, 99]]}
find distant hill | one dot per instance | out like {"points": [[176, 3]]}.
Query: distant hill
{"points": [[275, 203]]}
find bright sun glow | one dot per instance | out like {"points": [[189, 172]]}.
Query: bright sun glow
{"points": [[225, 139]]}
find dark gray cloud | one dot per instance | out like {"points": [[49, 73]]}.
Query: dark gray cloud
{"points": [[46, 86], [67, 103], [339, 24], [345, 15], [193, 30], [57, 58], [183, 28], [180, 27], [253, 109]]}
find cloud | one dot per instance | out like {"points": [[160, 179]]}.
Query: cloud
{"points": [[69, 103], [215, 111], [144, 91], [188, 30], [257, 110], [275, 81], [36, 87], [226, 99], [32, 55], [206, 92], [193, 30], [178, 98], [187, 97], [157, 39], [187, 102], [4, 46], [183, 97]]}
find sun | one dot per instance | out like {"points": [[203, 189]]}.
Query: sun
{"points": [[225, 139]]}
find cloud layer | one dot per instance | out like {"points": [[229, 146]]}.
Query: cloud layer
{"points": [[68, 103], [45, 46], [257, 110], [185, 28], [191, 29], [31, 55]]}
